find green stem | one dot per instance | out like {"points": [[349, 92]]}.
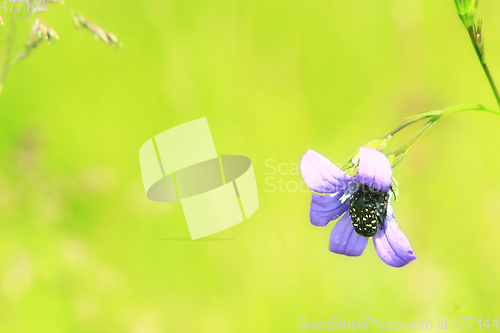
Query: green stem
{"points": [[394, 131], [434, 117], [8, 48], [421, 131], [482, 60], [469, 107]]}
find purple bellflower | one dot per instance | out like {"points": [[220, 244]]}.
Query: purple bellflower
{"points": [[364, 202]]}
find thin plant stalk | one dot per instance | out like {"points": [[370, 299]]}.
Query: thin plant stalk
{"points": [[8, 48], [475, 37], [432, 117]]}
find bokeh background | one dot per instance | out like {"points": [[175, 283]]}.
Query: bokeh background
{"points": [[83, 250]]}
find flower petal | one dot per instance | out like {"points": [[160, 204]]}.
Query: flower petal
{"points": [[374, 169], [391, 244], [344, 240], [321, 175], [325, 208]]}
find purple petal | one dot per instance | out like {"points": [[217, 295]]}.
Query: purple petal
{"points": [[344, 240], [374, 169], [326, 208], [321, 175], [391, 244]]}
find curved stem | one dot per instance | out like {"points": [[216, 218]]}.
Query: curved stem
{"points": [[468, 107], [453, 109], [434, 117]]}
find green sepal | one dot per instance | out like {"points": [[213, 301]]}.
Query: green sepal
{"points": [[395, 188], [379, 144]]}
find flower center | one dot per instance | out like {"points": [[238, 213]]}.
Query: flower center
{"points": [[368, 209]]}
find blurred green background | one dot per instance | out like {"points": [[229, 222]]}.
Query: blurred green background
{"points": [[83, 250]]}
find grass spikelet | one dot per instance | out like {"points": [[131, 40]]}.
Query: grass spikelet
{"points": [[39, 32], [97, 31]]}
